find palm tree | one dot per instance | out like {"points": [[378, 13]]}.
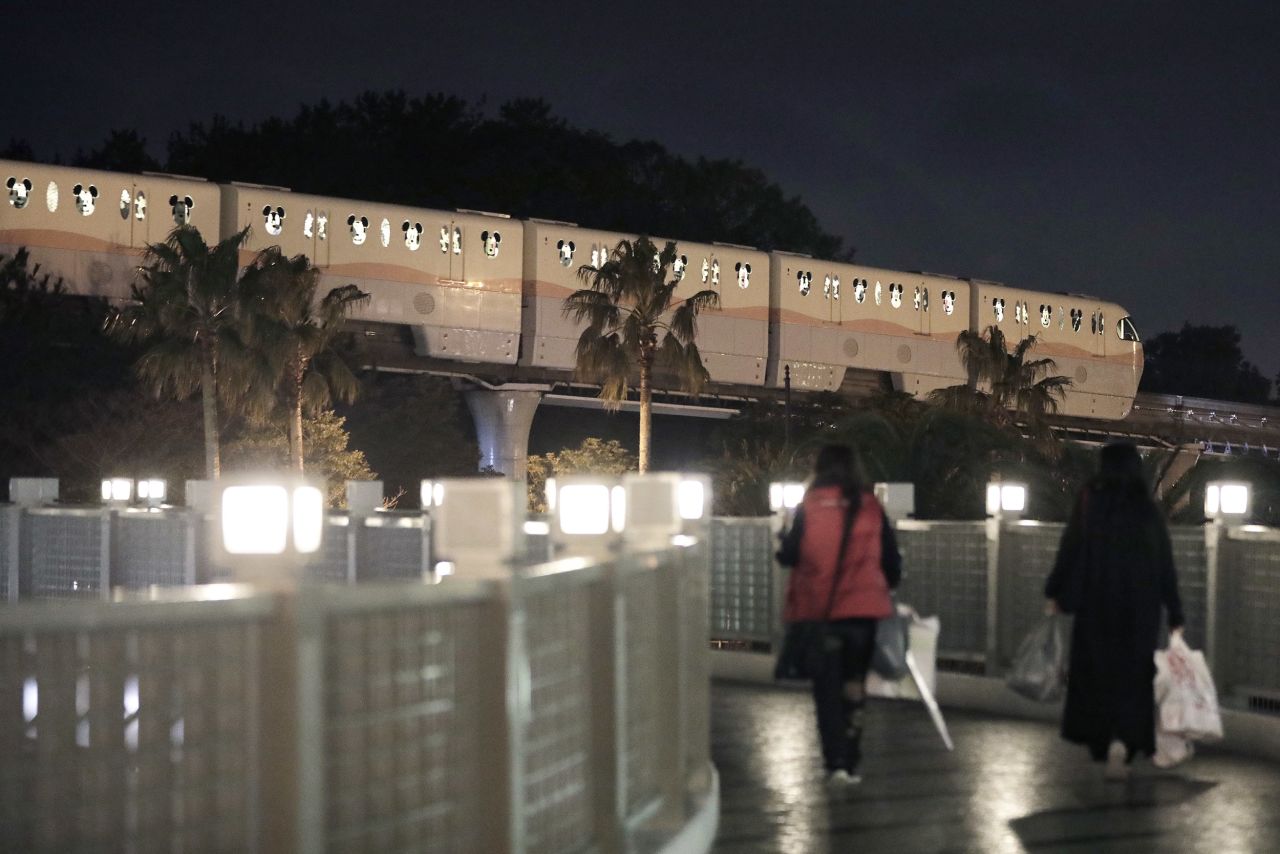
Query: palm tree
{"points": [[295, 336], [634, 321], [1001, 381], [185, 312]]}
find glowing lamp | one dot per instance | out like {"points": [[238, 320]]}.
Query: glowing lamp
{"points": [[264, 518], [152, 491], [1006, 498], [1226, 499], [692, 498], [583, 509], [117, 490], [591, 514], [431, 493], [785, 496]]}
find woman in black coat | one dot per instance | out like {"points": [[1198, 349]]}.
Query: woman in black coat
{"points": [[1114, 572]]}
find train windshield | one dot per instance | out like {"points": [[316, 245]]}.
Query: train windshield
{"points": [[1126, 331]]}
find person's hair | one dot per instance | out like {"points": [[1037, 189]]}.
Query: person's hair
{"points": [[836, 465], [1120, 468]]}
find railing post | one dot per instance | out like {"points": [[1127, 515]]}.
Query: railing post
{"points": [[285, 726], [671, 748], [106, 523], [778, 588], [12, 558], [992, 653], [1213, 652], [518, 680], [607, 662], [504, 707]]}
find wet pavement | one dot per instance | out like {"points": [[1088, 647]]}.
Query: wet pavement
{"points": [[1010, 786]]}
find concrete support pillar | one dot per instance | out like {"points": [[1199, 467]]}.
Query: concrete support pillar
{"points": [[503, 416]]}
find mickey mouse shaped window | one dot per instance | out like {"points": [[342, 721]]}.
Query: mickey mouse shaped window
{"points": [[804, 281], [491, 241], [359, 227], [273, 219], [19, 191], [181, 207], [412, 235], [86, 198], [564, 251]]}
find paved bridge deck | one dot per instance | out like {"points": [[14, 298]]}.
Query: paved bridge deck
{"points": [[1010, 786]]}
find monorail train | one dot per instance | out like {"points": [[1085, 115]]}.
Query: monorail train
{"points": [[486, 288]]}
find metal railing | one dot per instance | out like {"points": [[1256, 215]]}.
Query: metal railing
{"points": [[564, 707], [85, 553], [985, 581]]}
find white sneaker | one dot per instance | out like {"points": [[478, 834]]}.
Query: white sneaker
{"points": [[1116, 769], [842, 777]]}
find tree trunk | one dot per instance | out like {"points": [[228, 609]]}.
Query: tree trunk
{"points": [[209, 399], [646, 413], [295, 421]]}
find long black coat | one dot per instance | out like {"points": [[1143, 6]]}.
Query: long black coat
{"points": [[1114, 571]]}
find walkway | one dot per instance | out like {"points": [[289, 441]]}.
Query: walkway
{"points": [[1010, 786]]}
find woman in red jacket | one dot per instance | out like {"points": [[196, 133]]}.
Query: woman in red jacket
{"points": [[836, 507]]}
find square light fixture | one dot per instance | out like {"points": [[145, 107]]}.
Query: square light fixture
{"points": [[1223, 498], [263, 516], [431, 493], [117, 490], [785, 495], [1004, 497], [152, 491]]}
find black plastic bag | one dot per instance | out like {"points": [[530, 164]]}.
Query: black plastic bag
{"points": [[889, 659]]}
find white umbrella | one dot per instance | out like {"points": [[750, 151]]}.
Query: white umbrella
{"points": [[926, 697]]}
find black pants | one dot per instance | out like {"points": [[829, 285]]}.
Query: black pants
{"points": [[846, 658]]}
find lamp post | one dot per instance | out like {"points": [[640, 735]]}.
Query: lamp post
{"points": [[1226, 505], [269, 526]]}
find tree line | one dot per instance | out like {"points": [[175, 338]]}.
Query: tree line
{"points": [[439, 151]]}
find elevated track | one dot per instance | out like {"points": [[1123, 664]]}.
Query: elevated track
{"points": [[1156, 420]]}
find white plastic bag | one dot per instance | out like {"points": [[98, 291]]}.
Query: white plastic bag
{"points": [[1171, 749], [1039, 670], [1186, 695]]}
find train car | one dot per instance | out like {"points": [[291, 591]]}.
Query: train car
{"points": [[829, 316], [732, 339], [452, 277], [1092, 342], [91, 227]]}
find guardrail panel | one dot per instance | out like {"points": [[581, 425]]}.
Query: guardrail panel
{"points": [[134, 738], [400, 703], [68, 553], [1249, 573], [152, 549], [1190, 562], [743, 605], [945, 573], [1027, 553], [391, 552], [556, 789]]}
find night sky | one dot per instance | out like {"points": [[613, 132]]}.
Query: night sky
{"points": [[1128, 150]]}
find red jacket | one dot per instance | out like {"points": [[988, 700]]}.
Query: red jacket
{"points": [[863, 590]]}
